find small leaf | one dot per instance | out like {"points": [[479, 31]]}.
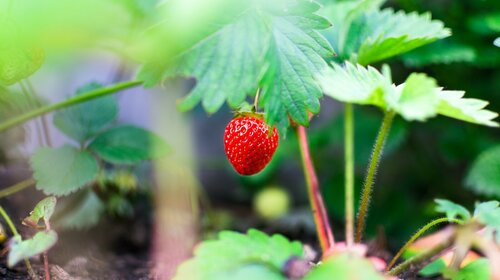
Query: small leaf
{"points": [[81, 211], [345, 267], [484, 175], [479, 269], [452, 210], [60, 171], [249, 256], [85, 120], [488, 213], [44, 209], [22, 249], [128, 145]]}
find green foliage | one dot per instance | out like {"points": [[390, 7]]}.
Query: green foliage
{"points": [[128, 145], [434, 268], [85, 120], [367, 34], [445, 52], [81, 211], [22, 249], [484, 174], [452, 210], [274, 46], [239, 256], [43, 210], [418, 98], [477, 270], [60, 171], [344, 267]]}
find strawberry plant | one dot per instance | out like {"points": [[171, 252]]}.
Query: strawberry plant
{"points": [[290, 57]]}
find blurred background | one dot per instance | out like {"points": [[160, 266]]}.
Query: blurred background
{"points": [[422, 161]]}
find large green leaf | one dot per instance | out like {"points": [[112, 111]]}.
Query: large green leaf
{"points": [[484, 175], [83, 121], [22, 249], [345, 267], [271, 45], [367, 34], [128, 145], [418, 98], [60, 171], [81, 211], [477, 270], [238, 256]]}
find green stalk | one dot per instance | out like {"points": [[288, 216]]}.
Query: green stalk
{"points": [[16, 233], [417, 235], [17, 187], [349, 173], [372, 170], [66, 103]]}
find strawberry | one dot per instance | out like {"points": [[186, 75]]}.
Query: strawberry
{"points": [[248, 143]]}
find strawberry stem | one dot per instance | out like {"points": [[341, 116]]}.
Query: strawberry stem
{"points": [[349, 173], [323, 228]]}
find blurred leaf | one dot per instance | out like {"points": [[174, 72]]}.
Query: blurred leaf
{"points": [[81, 211], [390, 33], [484, 175], [477, 270], [434, 268], [418, 98], [488, 23], [128, 145], [85, 120], [14, 103], [19, 59], [345, 267], [22, 249], [44, 209], [488, 213], [235, 254], [60, 171], [452, 210], [440, 52]]}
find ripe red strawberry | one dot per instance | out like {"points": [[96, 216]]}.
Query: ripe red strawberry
{"points": [[248, 144]]}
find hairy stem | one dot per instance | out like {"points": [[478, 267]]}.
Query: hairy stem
{"points": [[417, 235], [349, 173], [66, 103], [17, 187], [323, 229], [16, 233], [372, 170], [46, 254], [420, 258]]}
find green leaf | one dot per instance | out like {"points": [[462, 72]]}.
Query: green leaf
{"points": [[60, 171], [488, 213], [22, 249], [418, 98], [355, 84], [487, 23], [466, 109], [452, 210], [239, 256], [128, 145], [434, 268], [484, 174], [388, 33], [440, 52], [44, 209], [85, 120], [18, 59], [82, 211], [477, 270], [274, 46], [345, 267]]}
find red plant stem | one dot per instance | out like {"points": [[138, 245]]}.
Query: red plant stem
{"points": [[46, 255], [323, 228]]}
